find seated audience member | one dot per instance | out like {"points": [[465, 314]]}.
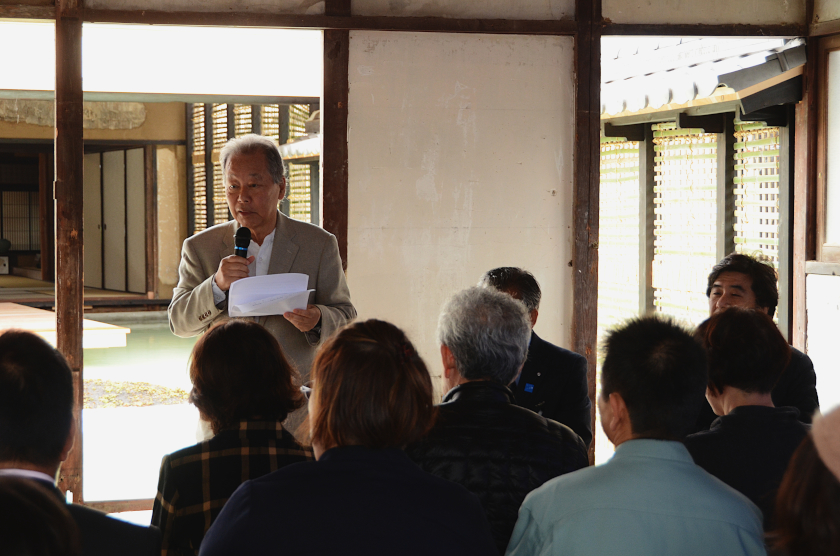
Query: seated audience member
{"points": [[36, 434], [370, 395], [35, 521], [750, 282], [244, 387], [808, 501], [498, 451], [750, 445], [650, 498], [553, 381]]}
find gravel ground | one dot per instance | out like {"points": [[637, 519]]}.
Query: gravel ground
{"points": [[106, 393]]}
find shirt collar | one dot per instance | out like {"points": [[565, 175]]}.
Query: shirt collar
{"points": [[28, 474], [656, 449]]}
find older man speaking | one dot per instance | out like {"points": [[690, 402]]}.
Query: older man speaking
{"points": [[254, 179]]}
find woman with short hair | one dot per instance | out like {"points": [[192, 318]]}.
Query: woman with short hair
{"points": [[371, 394], [245, 388]]}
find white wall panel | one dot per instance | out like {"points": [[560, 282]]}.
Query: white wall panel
{"points": [[826, 10], [135, 219], [460, 160], [482, 9], [711, 12], [823, 306]]}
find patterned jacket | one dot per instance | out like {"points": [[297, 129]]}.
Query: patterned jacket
{"points": [[195, 482]]}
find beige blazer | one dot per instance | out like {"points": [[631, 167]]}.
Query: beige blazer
{"points": [[298, 247]]}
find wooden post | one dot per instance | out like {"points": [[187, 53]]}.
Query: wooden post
{"points": [[69, 161], [725, 243], [150, 174], [586, 189], [647, 181]]}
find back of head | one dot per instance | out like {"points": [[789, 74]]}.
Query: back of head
{"points": [[370, 388], [35, 521], [36, 400], [660, 372], [807, 506], [760, 271], [745, 350], [238, 371], [253, 143], [517, 282], [487, 332]]}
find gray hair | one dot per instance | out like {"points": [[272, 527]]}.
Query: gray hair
{"points": [[487, 332], [252, 143]]}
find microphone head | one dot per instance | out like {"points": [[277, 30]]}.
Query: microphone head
{"points": [[242, 238]]}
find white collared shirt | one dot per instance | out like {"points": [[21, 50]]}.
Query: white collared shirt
{"points": [[262, 259]]}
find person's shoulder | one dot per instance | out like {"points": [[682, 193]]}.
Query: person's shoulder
{"points": [[799, 359], [102, 534], [562, 491], [546, 349], [212, 235]]}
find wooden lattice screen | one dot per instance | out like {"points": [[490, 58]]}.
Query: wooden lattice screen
{"points": [[685, 198], [299, 174], [199, 200], [220, 137], [242, 119], [757, 190], [20, 224]]}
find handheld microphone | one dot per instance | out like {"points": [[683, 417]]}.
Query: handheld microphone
{"points": [[241, 241]]}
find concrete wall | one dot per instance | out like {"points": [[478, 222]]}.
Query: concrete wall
{"points": [[172, 214], [484, 9], [755, 12], [826, 10], [823, 306], [460, 160]]}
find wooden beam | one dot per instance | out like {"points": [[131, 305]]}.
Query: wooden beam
{"points": [[69, 161], [711, 123], [336, 22], [586, 190], [725, 234], [787, 150], [804, 193], [23, 11], [334, 190], [115, 506], [647, 217], [824, 28], [704, 30], [635, 132], [150, 174]]}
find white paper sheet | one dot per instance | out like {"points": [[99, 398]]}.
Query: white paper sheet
{"points": [[272, 294]]}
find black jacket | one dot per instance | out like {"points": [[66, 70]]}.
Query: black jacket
{"points": [[553, 384], [797, 387], [497, 450], [749, 449]]}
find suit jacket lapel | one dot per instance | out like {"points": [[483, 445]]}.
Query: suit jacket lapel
{"points": [[227, 240], [283, 251]]}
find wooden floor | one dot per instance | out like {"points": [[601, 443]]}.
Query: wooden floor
{"points": [[19, 289]]}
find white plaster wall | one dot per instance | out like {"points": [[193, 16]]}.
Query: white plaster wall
{"points": [[481, 9], [233, 6], [755, 12], [460, 160], [823, 306], [826, 10]]}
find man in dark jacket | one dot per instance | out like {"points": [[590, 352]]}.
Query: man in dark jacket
{"points": [[553, 381], [740, 280], [36, 435], [495, 449]]}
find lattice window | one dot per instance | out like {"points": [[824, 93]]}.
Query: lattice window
{"points": [[220, 137], [242, 115], [619, 229], [21, 220], [685, 208], [198, 170], [298, 114], [757, 190], [270, 119], [298, 192]]}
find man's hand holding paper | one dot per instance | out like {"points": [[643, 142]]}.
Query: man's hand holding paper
{"points": [[272, 294]]}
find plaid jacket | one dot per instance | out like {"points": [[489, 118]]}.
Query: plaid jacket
{"points": [[196, 482]]}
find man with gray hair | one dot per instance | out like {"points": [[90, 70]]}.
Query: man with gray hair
{"points": [[255, 183], [553, 381], [496, 450]]}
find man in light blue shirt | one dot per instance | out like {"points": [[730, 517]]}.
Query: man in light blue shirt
{"points": [[650, 498]]}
